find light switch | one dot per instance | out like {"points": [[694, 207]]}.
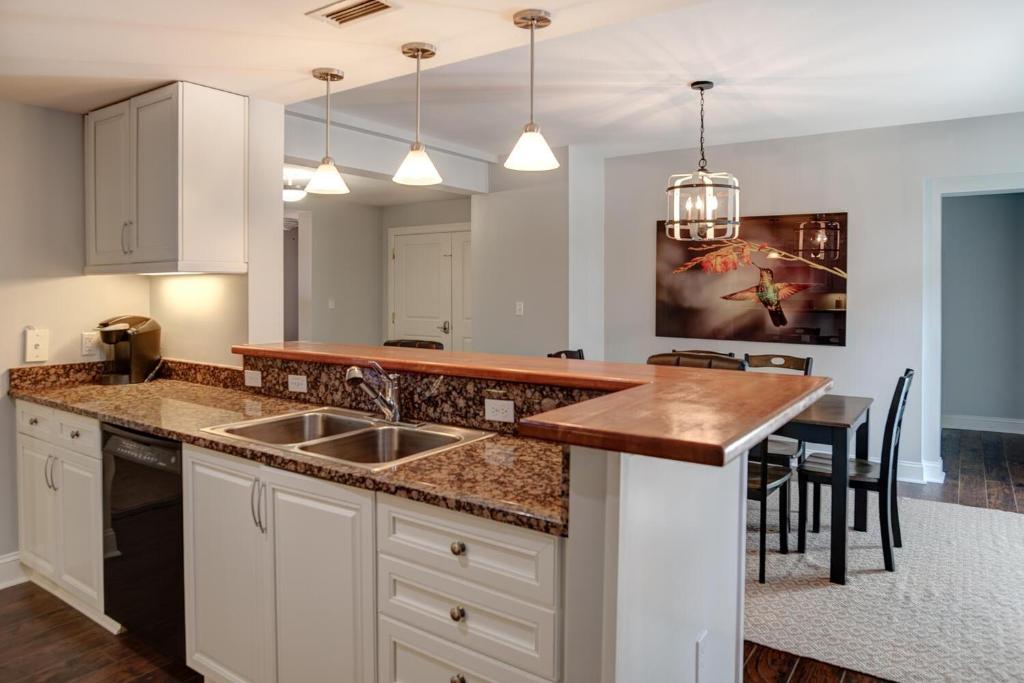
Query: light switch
{"points": [[37, 345], [519, 308], [253, 378], [297, 383], [91, 344]]}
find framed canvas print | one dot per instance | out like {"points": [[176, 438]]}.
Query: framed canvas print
{"points": [[782, 280]]}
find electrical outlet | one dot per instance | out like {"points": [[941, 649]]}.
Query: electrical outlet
{"points": [[37, 345], [701, 664], [497, 410], [330, 303], [253, 378], [297, 383], [91, 345], [519, 308]]}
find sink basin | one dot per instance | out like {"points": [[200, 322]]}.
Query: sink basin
{"points": [[383, 445], [293, 429]]}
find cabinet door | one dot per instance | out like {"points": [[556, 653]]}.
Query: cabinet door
{"points": [[224, 584], [79, 483], [322, 558], [107, 184], [37, 507], [155, 170]]}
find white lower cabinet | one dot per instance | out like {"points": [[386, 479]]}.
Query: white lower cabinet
{"points": [[60, 499], [279, 574]]}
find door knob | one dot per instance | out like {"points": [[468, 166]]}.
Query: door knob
{"points": [[457, 613], [458, 548], [446, 328]]}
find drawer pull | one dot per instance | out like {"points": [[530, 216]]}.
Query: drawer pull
{"points": [[457, 613], [458, 548], [75, 434], [33, 421], [457, 678]]}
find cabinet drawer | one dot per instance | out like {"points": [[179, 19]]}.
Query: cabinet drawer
{"points": [[35, 420], [505, 628], [76, 433], [509, 559], [408, 655]]}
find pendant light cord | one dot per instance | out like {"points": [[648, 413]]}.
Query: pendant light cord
{"points": [[327, 114], [533, 28], [419, 55], [703, 165]]}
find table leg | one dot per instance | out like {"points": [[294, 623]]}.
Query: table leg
{"points": [[860, 496], [841, 439]]}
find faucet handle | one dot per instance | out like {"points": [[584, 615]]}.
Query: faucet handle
{"points": [[377, 368]]}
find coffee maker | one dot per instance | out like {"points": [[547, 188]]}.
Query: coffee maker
{"points": [[136, 342]]}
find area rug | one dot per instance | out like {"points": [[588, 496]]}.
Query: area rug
{"points": [[952, 611]]}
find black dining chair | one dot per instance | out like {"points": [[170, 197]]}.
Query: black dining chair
{"points": [[763, 479], [415, 344], [567, 353], [697, 360], [782, 450], [726, 354], [864, 476]]}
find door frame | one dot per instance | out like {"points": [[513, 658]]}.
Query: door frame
{"points": [[931, 331], [388, 269]]}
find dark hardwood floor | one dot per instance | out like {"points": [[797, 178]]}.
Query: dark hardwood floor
{"points": [[765, 665]]}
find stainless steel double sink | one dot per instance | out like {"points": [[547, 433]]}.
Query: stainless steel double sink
{"points": [[356, 438]]}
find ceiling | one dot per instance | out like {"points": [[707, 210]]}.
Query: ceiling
{"points": [[782, 68], [366, 190], [78, 56]]}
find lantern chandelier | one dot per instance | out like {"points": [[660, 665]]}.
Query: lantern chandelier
{"points": [[819, 239], [703, 205]]}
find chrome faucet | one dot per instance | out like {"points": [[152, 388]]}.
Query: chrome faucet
{"points": [[386, 397]]}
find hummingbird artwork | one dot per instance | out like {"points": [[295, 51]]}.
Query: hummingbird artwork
{"points": [[770, 293]]}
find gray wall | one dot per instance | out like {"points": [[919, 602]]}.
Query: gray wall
{"points": [[291, 284], [880, 177], [982, 306], [41, 283], [426, 213]]}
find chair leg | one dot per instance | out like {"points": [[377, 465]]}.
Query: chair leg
{"points": [[897, 538], [762, 542], [801, 540], [784, 519], [816, 527], [883, 523]]}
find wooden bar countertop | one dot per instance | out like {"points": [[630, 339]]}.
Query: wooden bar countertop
{"points": [[688, 414]]}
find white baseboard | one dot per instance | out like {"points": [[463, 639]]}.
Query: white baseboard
{"points": [[89, 611], [977, 423], [915, 471], [11, 571]]}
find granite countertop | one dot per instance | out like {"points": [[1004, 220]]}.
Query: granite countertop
{"points": [[510, 479]]}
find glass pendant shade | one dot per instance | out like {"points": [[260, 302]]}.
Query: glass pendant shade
{"points": [[532, 152], [291, 193], [818, 240], [327, 180], [417, 169], [703, 206]]}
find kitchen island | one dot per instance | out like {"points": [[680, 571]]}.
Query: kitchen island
{"points": [[647, 511]]}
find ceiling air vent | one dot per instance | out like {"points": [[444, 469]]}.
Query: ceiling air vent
{"points": [[347, 11]]}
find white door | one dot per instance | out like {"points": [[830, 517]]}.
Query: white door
{"points": [[322, 554], [79, 483], [107, 184], [224, 586], [421, 287], [154, 122], [462, 292], [37, 507]]}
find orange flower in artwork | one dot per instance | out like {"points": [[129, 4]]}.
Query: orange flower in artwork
{"points": [[720, 261]]}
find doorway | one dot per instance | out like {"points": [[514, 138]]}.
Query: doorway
{"points": [[429, 277]]}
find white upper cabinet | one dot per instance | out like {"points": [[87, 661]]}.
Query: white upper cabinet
{"points": [[166, 183]]}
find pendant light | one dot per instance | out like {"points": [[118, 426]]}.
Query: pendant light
{"points": [[531, 153], [417, 169], [327, 180], [702, 205]]}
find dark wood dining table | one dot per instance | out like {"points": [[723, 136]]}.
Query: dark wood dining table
{"points": [[841, 422]]}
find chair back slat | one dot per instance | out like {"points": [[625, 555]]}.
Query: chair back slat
{"points": [[415, 344], [724, 354], [568, 353], [697, 360], [780, 361], [894, 428]]}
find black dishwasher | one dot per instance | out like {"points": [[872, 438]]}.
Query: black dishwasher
{"points": [[143, 573]]}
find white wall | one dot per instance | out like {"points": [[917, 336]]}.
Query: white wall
{"points": [[201, 316], [982, 309], [42, 224], [879, 177], [586, 251], [426, 213]]}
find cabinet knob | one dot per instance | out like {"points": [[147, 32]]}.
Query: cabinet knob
{"points": [[457, 678], [457, 613], [33, 421], [75, 434], [458, 548]]}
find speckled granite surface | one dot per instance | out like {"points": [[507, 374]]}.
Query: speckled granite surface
{"points": [[505, 478]]}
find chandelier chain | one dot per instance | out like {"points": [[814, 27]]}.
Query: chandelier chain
{"points": [[703, 165]]}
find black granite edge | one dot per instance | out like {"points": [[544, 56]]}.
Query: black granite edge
{"points": [[356, 478]]}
